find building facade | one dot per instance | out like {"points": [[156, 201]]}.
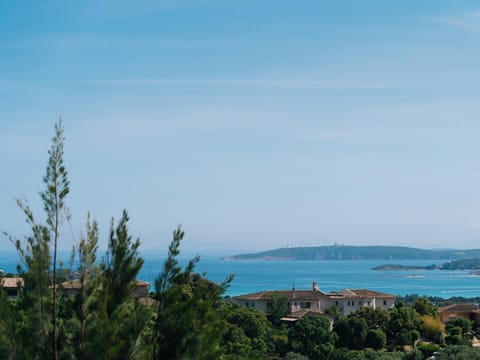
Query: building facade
{"points": [[346, 300]]}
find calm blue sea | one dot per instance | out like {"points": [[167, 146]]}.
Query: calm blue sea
{"points": [[251, 276]]}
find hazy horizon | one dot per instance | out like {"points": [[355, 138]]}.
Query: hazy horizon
{"points": [[255, 125]]}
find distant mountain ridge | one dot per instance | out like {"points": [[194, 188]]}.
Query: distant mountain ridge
{"points": [[348, 252]]}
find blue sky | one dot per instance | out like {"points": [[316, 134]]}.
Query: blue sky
{"points": [[254, 124]]}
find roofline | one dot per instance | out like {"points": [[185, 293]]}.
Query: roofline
{"points": [[262, 295]]}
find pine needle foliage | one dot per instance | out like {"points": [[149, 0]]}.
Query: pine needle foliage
{"points": [[57, 188], [187, 324], [117, 326]]}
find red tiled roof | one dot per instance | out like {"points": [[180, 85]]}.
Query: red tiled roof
{"points": [[458, 308], [359, 293], [315, 295], [290, 294], [11, 282], [301, 313], [371, 293], [297, 315]]}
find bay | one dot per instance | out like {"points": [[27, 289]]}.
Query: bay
{"points": [[330, 275], [252, 276]]}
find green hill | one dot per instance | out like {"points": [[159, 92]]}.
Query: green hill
{"points": [[463, 264], [346, 252]]}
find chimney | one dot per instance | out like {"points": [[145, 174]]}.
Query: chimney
{"points": [[315, 286], [293, 291]]}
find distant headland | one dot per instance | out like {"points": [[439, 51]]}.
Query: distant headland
{"points": [[462, 264], [348, 252]]}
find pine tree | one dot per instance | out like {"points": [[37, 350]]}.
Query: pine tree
{"points": [[57, 188], [9, 319], [76, 311], [88, 279], [118, 319], [34, 303], [186, 323]]}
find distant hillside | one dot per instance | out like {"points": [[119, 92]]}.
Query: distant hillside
{"points": [[340, 252], [461, 264]]}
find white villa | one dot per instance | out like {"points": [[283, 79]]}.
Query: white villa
{"points": [[315, 300]]}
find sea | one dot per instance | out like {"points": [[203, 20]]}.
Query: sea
{"points": [[330, 275]]}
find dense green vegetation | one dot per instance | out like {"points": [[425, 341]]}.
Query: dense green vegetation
{"points": [[462, 264], [344, 252], [186, 315], [398, 267], [438, 301]]}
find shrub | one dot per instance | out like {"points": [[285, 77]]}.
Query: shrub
{"points": [[432, 328], [376, 339], [427, 349]]}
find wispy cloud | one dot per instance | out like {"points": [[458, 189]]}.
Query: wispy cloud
{"points": [[85, 42], [468, 20], [328, 135], [327, 84]]}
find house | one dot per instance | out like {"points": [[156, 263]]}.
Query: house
{"points": [[351, 300], [141, 289], [315, 300], [12, 285], [297, 299], [455, 311]]}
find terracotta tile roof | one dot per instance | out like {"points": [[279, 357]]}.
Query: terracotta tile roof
{"points": [[11, 282], [315, 295], [371, 293], [290, 294], [301, 313], [358, 293], [297, 315], [458, 308]]}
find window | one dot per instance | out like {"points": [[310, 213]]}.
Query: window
{"points": [[384, 302], [269, 305], [368, 302], [336, 303], [349, 303], [252, 304], [305, 305]]}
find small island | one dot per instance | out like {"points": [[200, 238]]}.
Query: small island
{"points": [[398, 267], [462, 264]]}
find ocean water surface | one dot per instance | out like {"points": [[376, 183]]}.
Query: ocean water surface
{"points": [[252, 275]]}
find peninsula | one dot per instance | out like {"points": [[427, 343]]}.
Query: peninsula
{"points": [[348, 252], [462, 264]]}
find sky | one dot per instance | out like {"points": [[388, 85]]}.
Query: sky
{"points": [[253, 124]]}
